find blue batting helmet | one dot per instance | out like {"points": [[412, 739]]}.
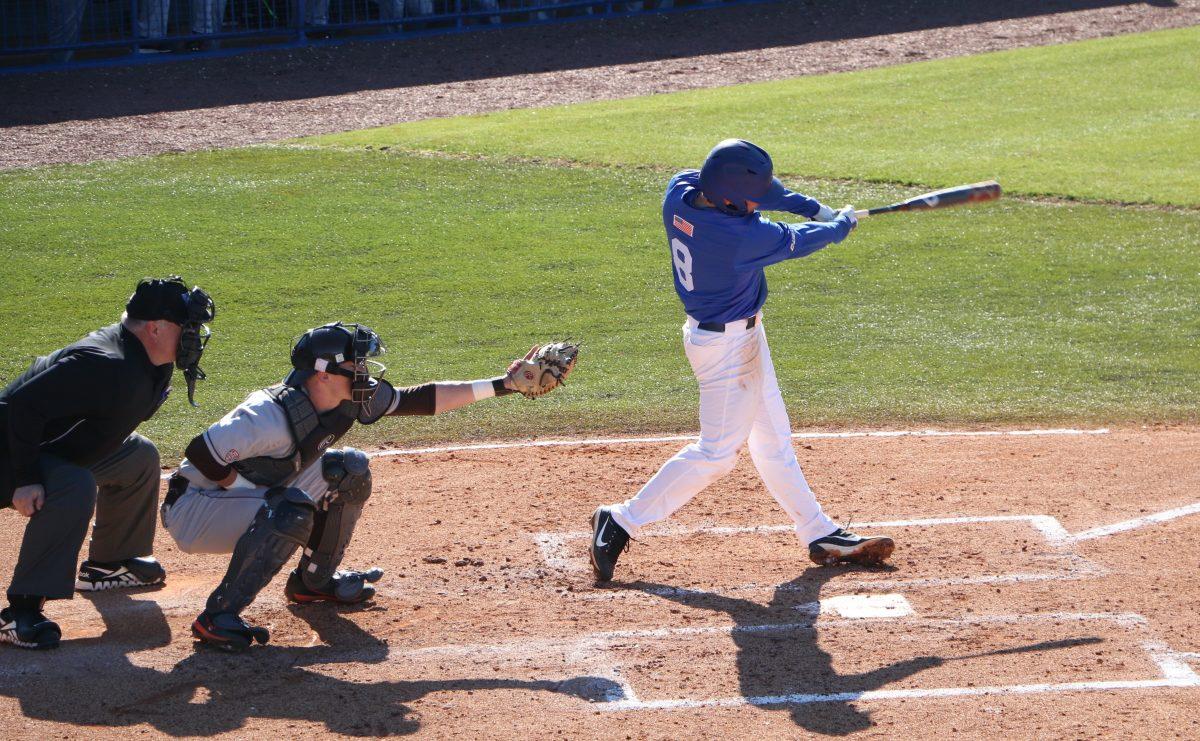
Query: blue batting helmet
{"points": [[736, 172]]}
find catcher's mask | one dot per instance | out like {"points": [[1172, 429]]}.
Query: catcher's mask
{"points": [[170, 299], [325, 348]]}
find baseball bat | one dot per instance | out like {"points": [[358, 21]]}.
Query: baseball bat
{"points": [[989, 190]]}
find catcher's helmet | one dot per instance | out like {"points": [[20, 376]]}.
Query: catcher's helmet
{"points": [[736, 172], [324, 348]]}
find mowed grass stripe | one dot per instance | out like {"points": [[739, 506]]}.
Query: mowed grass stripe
{"points": [[1006, 313], [1114, 119]]}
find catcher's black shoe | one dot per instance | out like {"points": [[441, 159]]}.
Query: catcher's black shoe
{"points": [[95, 576], [345, 588], [227, 631], [28, 628], [843, 546], [608, 541]]}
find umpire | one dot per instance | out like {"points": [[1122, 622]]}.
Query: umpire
{"points": [[67, 428]]}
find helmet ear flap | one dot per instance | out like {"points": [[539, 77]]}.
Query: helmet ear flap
{"points": [[735, 173]]}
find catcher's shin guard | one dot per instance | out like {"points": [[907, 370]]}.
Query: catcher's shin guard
{"points": [[280, 527], [348, 473]]}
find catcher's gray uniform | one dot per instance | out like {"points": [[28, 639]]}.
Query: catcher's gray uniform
{"points": [[210, 519], [207, 518]]}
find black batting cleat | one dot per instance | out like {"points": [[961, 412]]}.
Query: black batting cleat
{"points": [[227, 631], [609, 540], [345, 588], [843, 546], [28, 629], [95, 576]]}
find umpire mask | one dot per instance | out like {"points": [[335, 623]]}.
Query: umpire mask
{"points": [[171, 300], [194, 338]]}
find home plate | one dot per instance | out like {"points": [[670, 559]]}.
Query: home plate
{"points": [[867, 606]]}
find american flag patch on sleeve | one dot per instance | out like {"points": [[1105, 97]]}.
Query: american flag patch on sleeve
{"points": [[682, 225]]}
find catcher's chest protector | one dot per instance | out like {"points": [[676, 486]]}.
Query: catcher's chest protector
{"points": [[313, 433]]}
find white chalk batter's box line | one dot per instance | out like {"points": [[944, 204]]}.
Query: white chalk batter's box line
{"points": [[595, 650], [557, 554], [1174, 672]]}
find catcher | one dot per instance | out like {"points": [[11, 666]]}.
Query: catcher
{"points": [[265, 480]]}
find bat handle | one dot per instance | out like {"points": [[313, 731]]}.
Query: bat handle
{"points": [[861, 213]]}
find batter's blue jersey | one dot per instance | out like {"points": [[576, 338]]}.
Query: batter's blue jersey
{"points": [[719, 258]]}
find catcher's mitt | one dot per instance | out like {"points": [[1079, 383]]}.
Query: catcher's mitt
{"points": [[543, 368]]}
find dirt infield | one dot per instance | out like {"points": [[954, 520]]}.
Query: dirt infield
{"points": [[1044, 585], [100, 114], [1009, 610]]}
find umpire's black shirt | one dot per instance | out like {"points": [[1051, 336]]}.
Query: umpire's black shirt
{"points": [[78, 403]]}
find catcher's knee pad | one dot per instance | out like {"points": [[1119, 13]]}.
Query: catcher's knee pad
{"points": [[283, 524], [291, 513], [348, 473]]}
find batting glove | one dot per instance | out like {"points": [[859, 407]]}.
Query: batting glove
{"points": [[825, 214], [847, 213]]}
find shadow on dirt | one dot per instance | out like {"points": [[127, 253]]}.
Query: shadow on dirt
{"points": [[782, 666], [101, 684], [778, 654], [301, 73]]}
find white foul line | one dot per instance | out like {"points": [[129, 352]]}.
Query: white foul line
{"points": [[689, 438], [683, 438], [1119, 527]]}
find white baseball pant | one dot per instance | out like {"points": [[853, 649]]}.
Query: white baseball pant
{"points": [[740, 402]]}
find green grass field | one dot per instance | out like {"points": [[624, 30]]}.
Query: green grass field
{"points": [[1114, 119], [1021, 312]]}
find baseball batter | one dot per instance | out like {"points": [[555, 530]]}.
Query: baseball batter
{"points": [[265, 480], [719, 245]]}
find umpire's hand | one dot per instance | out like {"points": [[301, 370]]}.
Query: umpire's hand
{"points": [[29, 499]]}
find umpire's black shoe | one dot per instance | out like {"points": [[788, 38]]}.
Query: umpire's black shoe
{"points": [[345, 588], [843, 546], [95, 576], [608, 541], [227, 631], [28, 628]]}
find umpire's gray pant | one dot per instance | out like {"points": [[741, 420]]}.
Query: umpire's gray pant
{"points": [[125, 508]]}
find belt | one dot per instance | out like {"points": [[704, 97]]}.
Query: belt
{"points": [[720, 327]]}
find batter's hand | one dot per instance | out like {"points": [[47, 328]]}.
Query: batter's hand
{"points": [[825, 213], [847, 213], [29, 499]]}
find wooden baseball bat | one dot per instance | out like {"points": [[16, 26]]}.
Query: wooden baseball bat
{"points": [[989, 190]]}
